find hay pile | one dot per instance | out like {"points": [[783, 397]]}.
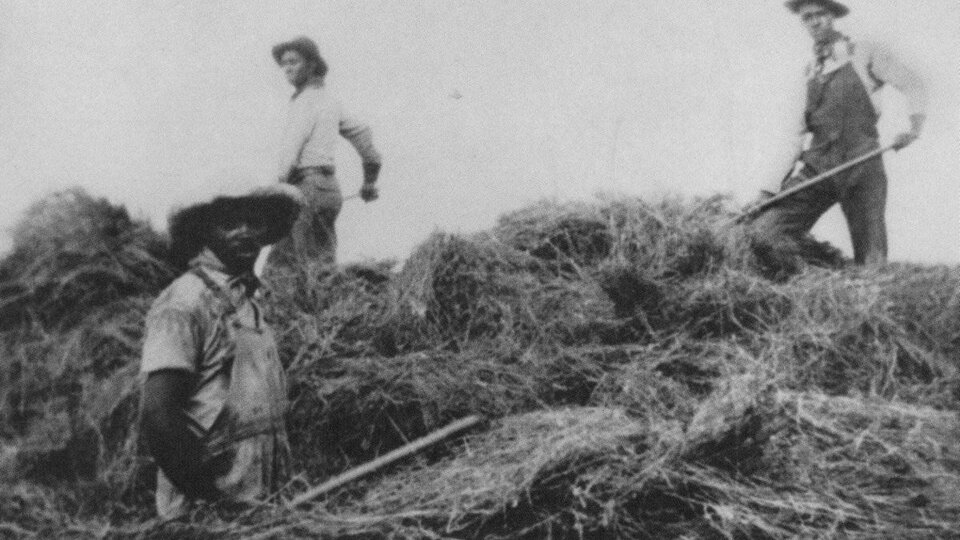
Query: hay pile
{"points": [[643, 373], [72, 250], [758, 465], [752, 462], [76, 287]]}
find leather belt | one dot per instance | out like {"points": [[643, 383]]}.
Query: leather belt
{"points": [[325, 170]]}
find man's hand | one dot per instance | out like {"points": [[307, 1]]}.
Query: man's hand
{"points": [[904, 140], [177, 451], [284, 178], [369, 192]]}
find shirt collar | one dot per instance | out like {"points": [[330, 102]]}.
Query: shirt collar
{"points": [[313, 82], [247, 283], [827, 49]]}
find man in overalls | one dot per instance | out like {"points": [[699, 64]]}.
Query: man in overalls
{"points": [[839, 124], [214, 396], [315, 122]]}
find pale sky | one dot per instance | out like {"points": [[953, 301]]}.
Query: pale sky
{"points": [[478, 107]]}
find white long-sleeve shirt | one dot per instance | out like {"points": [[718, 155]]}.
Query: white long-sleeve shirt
{"points": [[314, 121]]}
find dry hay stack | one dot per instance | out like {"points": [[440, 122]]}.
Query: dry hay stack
{"points": [[452, 290], [479, 288], [78, 282], [893, 331], [642, 374], [568, 236], [464, 287], [68, 401], [567, 472], [727, 302], [672, 239], [879, 467], [861, 331], [321, 315], [752, 462], [667, 381], [396, 399], [927, 302], [362, 407], [72, 250], [519, 474]]}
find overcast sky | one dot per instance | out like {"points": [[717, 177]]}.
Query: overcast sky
{"points": [[478, 107]]}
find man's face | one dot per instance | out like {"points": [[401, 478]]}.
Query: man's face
{"points": [[236, 240], [295, 67], [817, 20]]}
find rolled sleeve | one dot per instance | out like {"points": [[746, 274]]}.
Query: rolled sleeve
{"points": [[888, 69], [360, 136], [172, 341]]}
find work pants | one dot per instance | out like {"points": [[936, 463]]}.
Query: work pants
{"points": [[862, 194], [313, 237]]}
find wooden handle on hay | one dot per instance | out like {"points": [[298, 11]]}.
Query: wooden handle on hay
{"points": [[815, 180], [389, 457]]}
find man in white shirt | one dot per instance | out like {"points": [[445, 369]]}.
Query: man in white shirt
{"points": [[315, 121], [839, 124]]}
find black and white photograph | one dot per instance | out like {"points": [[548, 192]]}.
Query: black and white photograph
{"points": [[491, 269]]}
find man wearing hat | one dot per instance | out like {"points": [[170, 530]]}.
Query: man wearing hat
{"points": [[839, 124], [213, 396], [314, 121]]}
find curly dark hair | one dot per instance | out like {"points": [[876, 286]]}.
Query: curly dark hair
{"points": [[307, 48]]}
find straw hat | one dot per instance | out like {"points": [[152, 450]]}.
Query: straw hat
{"points": [[277, 205], [838, 9]]}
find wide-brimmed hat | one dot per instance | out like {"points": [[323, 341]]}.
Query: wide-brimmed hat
{"points": [[307, 48], [836, 8], [276, 205]]}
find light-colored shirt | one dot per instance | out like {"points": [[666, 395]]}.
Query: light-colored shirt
{"points": [[314, 122], [237, 404], [876, 66]]}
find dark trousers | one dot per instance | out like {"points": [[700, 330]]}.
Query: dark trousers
{"points": [[862, 194], [313, 238]]}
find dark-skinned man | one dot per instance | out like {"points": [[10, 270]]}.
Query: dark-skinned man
{"points": [[213, 397], [839, 124]]}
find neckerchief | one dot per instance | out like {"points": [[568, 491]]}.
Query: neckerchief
{"points": [[823, 50]]}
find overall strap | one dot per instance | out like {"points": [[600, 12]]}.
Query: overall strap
{"points": [[230, 310]]}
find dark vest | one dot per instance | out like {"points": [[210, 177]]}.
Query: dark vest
{"points": [[841, 118]]}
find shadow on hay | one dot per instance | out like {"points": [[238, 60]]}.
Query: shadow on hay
{"points": [[563, 237], [397, 399]]}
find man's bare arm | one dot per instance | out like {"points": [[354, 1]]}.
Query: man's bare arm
{"points": [[176, 449]]}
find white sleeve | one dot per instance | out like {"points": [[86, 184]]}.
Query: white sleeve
{"points": [[359, 135]]}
